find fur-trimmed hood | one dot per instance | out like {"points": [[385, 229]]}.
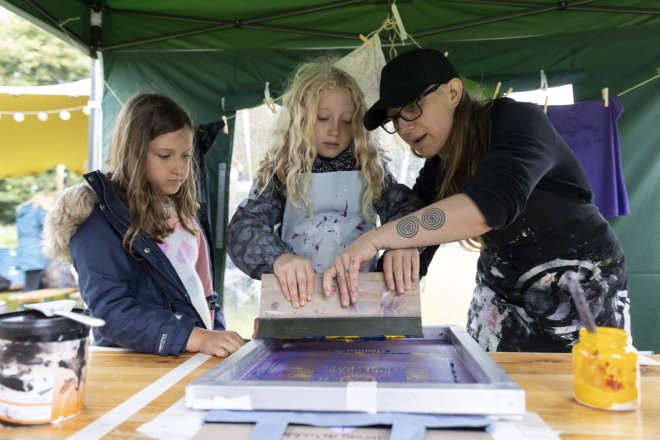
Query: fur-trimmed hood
{"points": [[71, 209]]}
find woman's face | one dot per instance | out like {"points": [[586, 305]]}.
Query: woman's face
{"points": [[428, 134], [333, 128]]}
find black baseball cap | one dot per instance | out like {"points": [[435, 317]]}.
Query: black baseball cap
{"points": [[406, 77]]}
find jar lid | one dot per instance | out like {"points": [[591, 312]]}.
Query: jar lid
{"points": [[33, 326]]}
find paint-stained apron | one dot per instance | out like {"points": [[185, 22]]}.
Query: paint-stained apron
{"points": [[538, 314], [337, 220]]}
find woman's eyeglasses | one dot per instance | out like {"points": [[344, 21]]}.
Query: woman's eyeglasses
{"points": [[408, 113]]}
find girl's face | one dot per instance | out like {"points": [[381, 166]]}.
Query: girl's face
{"points": [[333, 129], [168, 161], [428, 134]]}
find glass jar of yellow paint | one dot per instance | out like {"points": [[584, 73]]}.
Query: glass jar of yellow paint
{"points": [[606, 370]]}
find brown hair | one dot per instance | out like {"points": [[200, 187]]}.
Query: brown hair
{"points": [[142, 119], [467, 145]]}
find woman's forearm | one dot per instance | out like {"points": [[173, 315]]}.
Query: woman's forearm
{"points": [[451, 219]]}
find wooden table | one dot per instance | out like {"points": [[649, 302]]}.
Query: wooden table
{"points": [[114, 376], [14, 300]]}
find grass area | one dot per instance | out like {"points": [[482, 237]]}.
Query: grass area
{"points": [[8, 235]]}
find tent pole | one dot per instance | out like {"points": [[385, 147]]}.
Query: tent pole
{"points": [[353, 37], [61, 29], [227, 26], [503, 17], [318, 8], [94, 136], [614, 9], [221, 25]]}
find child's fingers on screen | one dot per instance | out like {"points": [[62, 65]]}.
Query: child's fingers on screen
{"points": [[311, 280], [292, 286], [328, 280]]}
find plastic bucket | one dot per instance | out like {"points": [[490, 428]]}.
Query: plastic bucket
{"points": [[43, 366]]}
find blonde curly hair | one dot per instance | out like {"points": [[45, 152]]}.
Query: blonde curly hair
{"points": [[293, 150]]}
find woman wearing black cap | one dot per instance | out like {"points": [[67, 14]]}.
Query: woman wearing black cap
{"points": [[496, 174]]}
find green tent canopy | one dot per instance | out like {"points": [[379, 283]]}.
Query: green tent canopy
{"points": [[215, 57]]}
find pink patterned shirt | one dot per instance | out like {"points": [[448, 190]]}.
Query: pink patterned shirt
{"points": [[190, 257]]}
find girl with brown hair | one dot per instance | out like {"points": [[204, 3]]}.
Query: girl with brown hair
{"points": [[139, 240]]}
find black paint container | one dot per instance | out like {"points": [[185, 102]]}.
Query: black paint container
{"points": [[43, 366]]}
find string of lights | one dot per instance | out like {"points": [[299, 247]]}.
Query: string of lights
{"points": [[43, 115]]}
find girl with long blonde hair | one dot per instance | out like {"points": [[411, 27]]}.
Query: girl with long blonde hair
{"points": [[321, 184]]}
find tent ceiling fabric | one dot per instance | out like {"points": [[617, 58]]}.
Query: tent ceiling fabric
{"points": [[145, 25]]}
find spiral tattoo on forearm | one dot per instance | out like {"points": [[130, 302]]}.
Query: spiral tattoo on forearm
{"points": [[408, 226], [433, 218]]}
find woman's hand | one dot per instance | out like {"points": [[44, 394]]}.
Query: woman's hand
{"points": [[296, 277], [401, 269], [213, 342], [346, 268]]}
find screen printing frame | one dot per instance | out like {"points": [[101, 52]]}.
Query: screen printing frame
{"points": [[494, 392]]}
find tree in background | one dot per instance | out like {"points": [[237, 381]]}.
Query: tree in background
{"points": [[30, 56]]}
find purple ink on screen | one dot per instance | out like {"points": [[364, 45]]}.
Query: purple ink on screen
{"points": [[399, 361]]}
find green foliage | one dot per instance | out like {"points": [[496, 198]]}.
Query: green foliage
{"points": [[30, 56], [16, 190]]}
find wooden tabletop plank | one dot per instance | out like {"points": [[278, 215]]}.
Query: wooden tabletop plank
{"points": [[548, 384], [41, 294], [115, 376]]}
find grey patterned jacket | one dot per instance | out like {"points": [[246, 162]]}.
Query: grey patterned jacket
{"points": [[254, 240]]}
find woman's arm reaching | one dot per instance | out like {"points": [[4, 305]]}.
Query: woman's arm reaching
{"points": [[451, 219]]}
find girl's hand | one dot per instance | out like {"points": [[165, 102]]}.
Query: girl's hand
{"points": [[401, 269], [346, 268], [296, 277], [213, 342]]}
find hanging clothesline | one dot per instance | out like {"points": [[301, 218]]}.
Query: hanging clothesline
{"points": [[656, 76], [393, 25]]}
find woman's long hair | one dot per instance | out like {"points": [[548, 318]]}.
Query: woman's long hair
{"points": [[293, 150], [466, 147], [467, 144], [141, 120]]}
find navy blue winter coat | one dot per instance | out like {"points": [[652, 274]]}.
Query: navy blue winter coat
{"points": [[143, 301]]}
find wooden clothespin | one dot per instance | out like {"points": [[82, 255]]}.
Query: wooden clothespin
{"points": [[509, 91], [606, 96], [270, 103], [545, 106], [225, 128], [544, 80], [364, 39], [497, 89]]}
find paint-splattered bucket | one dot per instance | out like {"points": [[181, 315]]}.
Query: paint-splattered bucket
{"points": [[43, 363]]}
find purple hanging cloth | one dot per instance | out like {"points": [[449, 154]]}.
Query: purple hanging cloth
{"points": [[590, 129]]}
